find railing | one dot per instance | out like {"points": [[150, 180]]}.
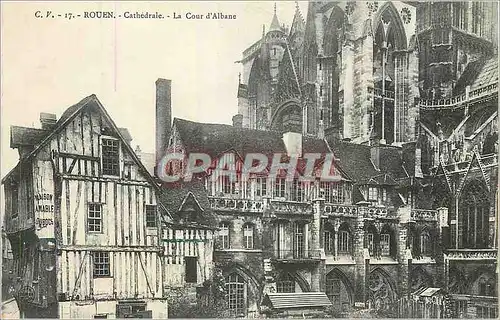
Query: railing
{"points": [[471, 254], [241, 205], [423, 215], [456, 101], [291, 207], [340, 210], [375, 212], [296, 254]]}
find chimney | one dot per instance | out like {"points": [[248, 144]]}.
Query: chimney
{"points": [[293, 143], [138, 152], [238, 121], [163, 115], [47, 120]]}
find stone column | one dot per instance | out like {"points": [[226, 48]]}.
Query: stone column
{"points": [[336, 226], [441, 243], [404, 258], [318, 206], [360, 255]]}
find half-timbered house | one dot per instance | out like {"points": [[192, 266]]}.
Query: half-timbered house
{"points": [[83, 219]]}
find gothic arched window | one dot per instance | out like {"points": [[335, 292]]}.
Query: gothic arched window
{"points": [[474, 216]]}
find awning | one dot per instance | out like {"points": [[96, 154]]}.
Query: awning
{"points": [[296, 300], [426, 292]]}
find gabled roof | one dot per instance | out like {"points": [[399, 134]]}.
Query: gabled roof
{"points": [[174, 195], [296, 300], [67, 117]]}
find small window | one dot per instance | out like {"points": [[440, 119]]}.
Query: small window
{"points": [[15, 201], [248, 236], [224, 235], [328, 241], [94, 218], [190, 264], [385, 244], [110, 157], [279, 189], [101, 316], [150, 216], [372, 193], [101, 264], [228, 185], [343, 243], [370, 243], [261, 187]]}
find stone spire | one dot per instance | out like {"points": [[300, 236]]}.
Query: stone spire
{"points": [[275, 24]]}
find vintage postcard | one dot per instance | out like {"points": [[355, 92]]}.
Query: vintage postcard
{"points": [[231, 159]]}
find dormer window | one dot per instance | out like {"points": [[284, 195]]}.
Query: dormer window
{"points": [[110, 157]]}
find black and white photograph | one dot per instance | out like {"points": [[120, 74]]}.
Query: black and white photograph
{"points": [[249, 159]]}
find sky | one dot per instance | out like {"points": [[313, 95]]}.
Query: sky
{"points": [[49, 64]]}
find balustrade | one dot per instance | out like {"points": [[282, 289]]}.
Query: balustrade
{"points": [[291, 207], [471, 254], [241, 205], [455, 101], [423, 215]]}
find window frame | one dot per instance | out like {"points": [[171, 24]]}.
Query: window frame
{"points": [[119, 162], [343, 241], [385, 238], [280, 188], [248, 240], [106, 263], [14, 206], [372, 193], [260, 187], [236, 290], [148, 213], [224, 238], [93, 218]]}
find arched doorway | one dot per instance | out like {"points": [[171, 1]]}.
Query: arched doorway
{"points": [[381, 291], [339, 290]]}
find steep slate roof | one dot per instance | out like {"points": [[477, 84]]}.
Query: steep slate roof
{"points": [[355, 160], [391, 161], [23, 136], [172, 196], [214, 139], [296, 300], [487, 75], [477, 74]]}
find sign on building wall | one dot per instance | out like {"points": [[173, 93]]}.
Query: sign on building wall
{"points": [[44, 200]]}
